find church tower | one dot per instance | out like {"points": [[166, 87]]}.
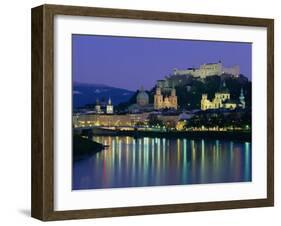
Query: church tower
{"points": [[204, 102], [158, 99], [173, 99], [242, 99], [109, 107], [97, 107]]}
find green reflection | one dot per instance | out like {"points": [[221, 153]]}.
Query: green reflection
{"points": [[152, 155], [178, 153], [164, 155], [145, 162], [134, 159], [184, 165], [203, 163], [247, 161], [193, 159]]}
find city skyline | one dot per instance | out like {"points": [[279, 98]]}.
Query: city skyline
{"points": [[124, 62]]}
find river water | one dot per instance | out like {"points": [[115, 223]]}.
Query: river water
{"points": [[134, 162]]}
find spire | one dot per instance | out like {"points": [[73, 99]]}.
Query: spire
{"points": [[242, 99], [223, 88], [141, 89], [97, 101], [242, 92], [109, 101], [241, 95]]}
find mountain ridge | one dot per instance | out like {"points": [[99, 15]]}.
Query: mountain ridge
{"points": [[86, 94]]}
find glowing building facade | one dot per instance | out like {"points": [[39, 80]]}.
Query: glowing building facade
{"points": [[222, 101], [109, 107], [161, 102], [209, 69]]}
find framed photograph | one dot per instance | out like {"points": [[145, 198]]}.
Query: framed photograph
{"points": [[141, 112]]}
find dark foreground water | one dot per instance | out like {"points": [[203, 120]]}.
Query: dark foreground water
{"points": [[130, 162]]}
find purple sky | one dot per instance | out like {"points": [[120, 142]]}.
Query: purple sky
{"points": [[129, 63]]}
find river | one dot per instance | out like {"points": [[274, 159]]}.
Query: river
{"points": [[134, 162]]}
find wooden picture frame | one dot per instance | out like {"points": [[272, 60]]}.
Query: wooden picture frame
{"points": [[43, 112]]}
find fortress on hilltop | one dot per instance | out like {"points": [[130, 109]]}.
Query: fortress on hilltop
{"points": [[182, 76], [209, 69]]}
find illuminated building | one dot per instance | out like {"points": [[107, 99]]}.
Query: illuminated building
{"points": [[242, 99], [161, 102], [127, 120], [104, 108], [109, 107], [98, 107], [209, 69], [181, 76], [142, 103], [220, 101], [109, 120]]}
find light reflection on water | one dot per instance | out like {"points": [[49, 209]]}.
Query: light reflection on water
{"points": [[133, 162]]}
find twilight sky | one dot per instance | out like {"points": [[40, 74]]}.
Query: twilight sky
{"points": [[130, 63]]}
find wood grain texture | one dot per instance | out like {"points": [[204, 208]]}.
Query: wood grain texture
{"points": [[43, 108], [37, 159], [270, 111], [42, 113]]}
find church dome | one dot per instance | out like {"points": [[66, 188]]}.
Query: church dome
{"points": [[142, 98]]}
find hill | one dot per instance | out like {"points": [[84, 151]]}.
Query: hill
{"points": [[86, 94], [189, 93]]}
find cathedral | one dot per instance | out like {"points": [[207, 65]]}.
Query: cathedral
{"points": [[161, 102]]}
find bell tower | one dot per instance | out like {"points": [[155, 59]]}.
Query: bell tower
{"points": [[242, 99], [204, 102], [174, 99], [109, 107], [158, 99]]}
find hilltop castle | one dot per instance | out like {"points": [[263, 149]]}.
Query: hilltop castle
{"points": [[161, 102], [181, 77], [209, 69]]}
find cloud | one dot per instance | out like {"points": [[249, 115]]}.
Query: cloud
{"points": [[75, 92]]}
